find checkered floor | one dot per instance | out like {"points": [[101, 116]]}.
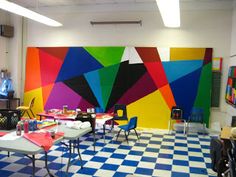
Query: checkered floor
{"points": [[155, 154]]}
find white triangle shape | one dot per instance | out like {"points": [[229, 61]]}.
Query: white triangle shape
{"points": [[164, 53], [125, 56], [134, 56]]}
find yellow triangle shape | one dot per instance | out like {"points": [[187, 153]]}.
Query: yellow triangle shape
{"points": [[38, 104], [151, 110]]}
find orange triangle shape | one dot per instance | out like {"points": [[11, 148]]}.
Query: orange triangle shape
{"points": [[167, 95], [32, 73], [46, 90]]}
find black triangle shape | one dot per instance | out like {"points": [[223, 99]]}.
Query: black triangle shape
{"points": [[80, 85], [127, 76]]}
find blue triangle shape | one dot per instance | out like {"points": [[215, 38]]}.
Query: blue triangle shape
{"points": [[77, 62], [185, 91], [93, 80], [177, 69]]}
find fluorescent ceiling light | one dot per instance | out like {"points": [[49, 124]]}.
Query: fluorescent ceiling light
{"points": [[170, 12], [19, 10]]}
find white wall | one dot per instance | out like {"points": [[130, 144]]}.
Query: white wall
{"points": [[15, 54], [4, 19], [199, 28], [10, 49]]}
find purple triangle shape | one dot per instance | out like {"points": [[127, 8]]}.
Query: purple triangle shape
{"points": [[63, 95]]}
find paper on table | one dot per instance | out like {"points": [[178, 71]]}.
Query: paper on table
{"points": [[42, 139], [10, 136], [3, 133]]}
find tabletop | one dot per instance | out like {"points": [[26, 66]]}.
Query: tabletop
{"points": [[24, 146]]}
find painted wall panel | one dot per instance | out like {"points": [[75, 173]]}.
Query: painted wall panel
{"points": [[87, 77]]}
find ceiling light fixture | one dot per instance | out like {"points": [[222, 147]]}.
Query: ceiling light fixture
{"points": [[19, 10], [170, 12], [115, 22]]}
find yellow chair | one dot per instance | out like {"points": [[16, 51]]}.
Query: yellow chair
{"points": [[26, 109]]}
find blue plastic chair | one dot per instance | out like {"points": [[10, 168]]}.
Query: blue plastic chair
{"points": [[99, 110], [196, 116], [122, 117], [132, 124]]}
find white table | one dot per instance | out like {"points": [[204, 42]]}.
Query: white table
{"points": [[29, 149], [26, 147]]}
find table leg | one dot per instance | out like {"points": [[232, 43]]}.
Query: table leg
{"points": [[33, 159], [8, 104], [33, 164], [46, 164], [94, 141], [104, 131], [68, 164], [79, 153]]}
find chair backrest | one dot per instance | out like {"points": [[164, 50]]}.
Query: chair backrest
{"points": [[196, 115], [31, 104], [132, 123], [120, 107], [176, 113]]}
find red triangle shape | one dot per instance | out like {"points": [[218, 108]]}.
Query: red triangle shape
{"points": [[58, 52], [50, 67], [156, 70], [148, 54]]}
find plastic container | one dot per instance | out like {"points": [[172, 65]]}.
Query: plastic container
{"points": [[26, 127], [31, 125], [9, 119], [65, 108], [18, 129], [35, 127]]}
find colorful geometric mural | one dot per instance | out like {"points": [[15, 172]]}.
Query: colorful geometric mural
{"points": [[149, 80]]}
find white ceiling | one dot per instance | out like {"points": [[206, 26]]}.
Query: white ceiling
{"points": [[49, 3], [52, 3]]}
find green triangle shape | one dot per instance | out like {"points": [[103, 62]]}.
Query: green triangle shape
{"points": [[107, 79], [203, 98], [106, 55]]}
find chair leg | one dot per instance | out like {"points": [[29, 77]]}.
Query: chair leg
{"points": [[169, 126], [136, 133], [22, 113], [112, 123], [184, 126], [187, 127], [126, 137], [118, 134], [204, 128], [28, 114], [32, 113]]}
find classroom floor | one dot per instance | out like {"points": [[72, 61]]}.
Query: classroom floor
{"points": [[155, 154]]}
